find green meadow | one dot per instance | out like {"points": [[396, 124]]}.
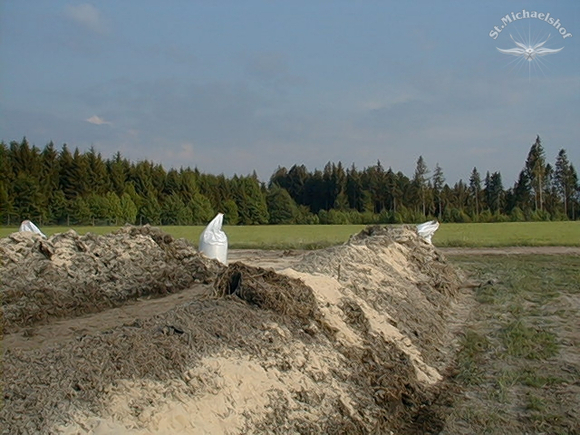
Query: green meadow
{"points": [[317, 236]]}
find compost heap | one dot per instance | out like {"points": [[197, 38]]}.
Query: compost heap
{"points": [[352, 339]]}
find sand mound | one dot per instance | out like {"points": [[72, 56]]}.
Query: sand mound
{"points": [[69, 274], [401, 284], [350, 341]]}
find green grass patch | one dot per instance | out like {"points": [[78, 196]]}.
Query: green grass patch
{"points": [[517, 363], [521, 340], [474, 345], [243, 237], [319, 236], [508, 234]]}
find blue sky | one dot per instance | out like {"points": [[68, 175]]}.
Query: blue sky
{"points": [[237, 86]]}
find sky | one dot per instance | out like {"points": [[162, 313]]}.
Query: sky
{"points": [[231, 87]]}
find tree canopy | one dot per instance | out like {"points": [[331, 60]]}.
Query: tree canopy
{"points": [[67, 186]]}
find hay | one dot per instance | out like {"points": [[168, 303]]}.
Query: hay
{"points": [[69, 275], [268, 290]]}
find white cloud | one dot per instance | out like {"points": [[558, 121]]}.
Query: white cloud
{"points": [[97, 120], [87, 16]]}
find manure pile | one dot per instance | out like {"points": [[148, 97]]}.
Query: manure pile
{"points": [[68, 275], [351, 340]]}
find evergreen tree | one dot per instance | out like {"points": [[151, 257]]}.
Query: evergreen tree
{"points": [[420, 184], [27, 197], [536, 170], [128, 210], [98, 206], [175, 212], [6, 207], [58, 209], [522, 192], [393, 189], [438, 183], [230, 210], [475, 191], [80, 211], [564, 179], [494, 192], [251, 202], [201, 209], [118, 170], [150, 212], [49, 173], [281, 207], [97, 176], [114, 209]]}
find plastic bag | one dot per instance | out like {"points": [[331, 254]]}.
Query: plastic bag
{"points": [[30, 227], [213, 242], [427, 229]]}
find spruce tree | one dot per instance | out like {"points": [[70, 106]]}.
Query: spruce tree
{"points": [[438, 183], [536, 170], [475, 191], [420, 184]]}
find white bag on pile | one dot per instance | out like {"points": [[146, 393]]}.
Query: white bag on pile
{"points": [[30, 227], [213, 242], [427, 229]]}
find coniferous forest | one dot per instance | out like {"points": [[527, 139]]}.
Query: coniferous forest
{"points": [[64, 187]]}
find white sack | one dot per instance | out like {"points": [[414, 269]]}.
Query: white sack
{"points": [[30, 227], [427, 229], [213, 242]]}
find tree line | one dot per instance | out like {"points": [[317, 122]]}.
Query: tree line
{"points": [[51, 186]]}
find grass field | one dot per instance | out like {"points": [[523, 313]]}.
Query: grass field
{"points": [[518, 368], [318, 236]]}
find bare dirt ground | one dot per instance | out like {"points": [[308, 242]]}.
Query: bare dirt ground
{"points": [[281, 259], [514, 250]]}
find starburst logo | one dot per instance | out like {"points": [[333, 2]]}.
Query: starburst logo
{"points": [[530, 46], [528, 51]]}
